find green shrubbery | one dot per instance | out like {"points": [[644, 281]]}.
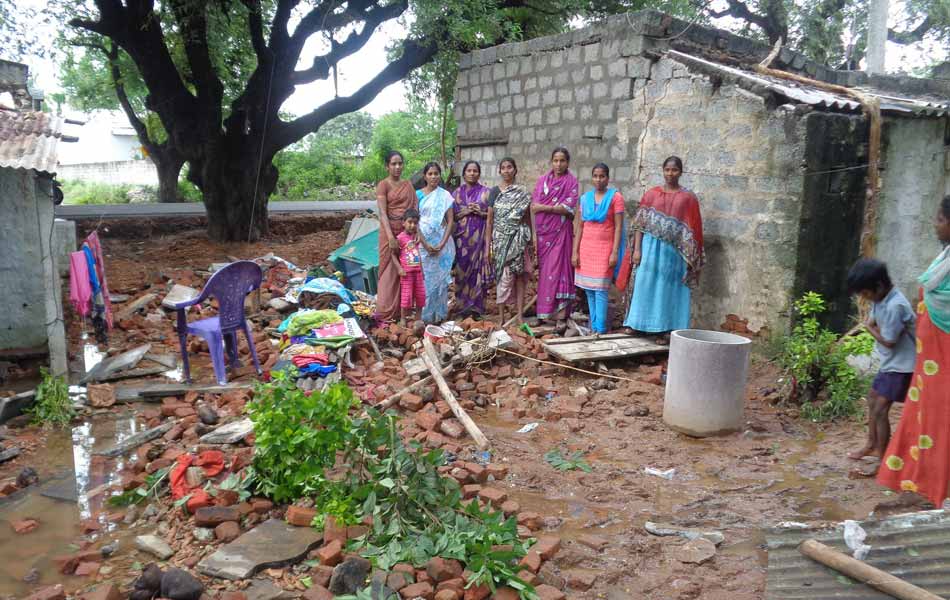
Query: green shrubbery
{"points": [[52, 406], [353, 468], [816, 360]]}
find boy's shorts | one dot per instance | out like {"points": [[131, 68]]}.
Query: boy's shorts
{"points": [[892, 386]]}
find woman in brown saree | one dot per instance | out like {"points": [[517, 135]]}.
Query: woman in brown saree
{"points": [[394, 197]]}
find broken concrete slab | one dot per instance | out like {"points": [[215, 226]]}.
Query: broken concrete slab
{"points": [[690, 534], [134, 373], [14, 406], [179, 293], [134, 441], [281, 305], [136, 305], [154, 545], [230, 433], [603, 347], [415, 366], [9, 454], [61, 487], [273, 543], [696, 551], [166, 360], [117, 363], [261, 589], [154, 392], [500, 339], [118, 298]]}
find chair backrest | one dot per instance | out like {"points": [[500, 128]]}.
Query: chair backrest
{"points": [[229, 286]]}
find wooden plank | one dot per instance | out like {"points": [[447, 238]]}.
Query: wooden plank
{"points": [[602, 349], [432, 361], [590, 338]]}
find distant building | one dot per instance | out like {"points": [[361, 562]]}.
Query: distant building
{"points": [[108, 151]]}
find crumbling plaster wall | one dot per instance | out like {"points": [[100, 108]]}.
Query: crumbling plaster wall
{"points": [[915, 178]]}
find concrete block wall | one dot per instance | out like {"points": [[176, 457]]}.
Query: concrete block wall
{"points": [[604, 94]]}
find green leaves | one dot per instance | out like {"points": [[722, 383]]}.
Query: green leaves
{"points": [[817, 361], [153, 484], [570, 463], [52, 407]]}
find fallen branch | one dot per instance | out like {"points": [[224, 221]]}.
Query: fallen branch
{"points": [[863, 572], [431, 359], [392, 400]]}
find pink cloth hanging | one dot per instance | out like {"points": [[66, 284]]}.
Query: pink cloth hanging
{"points": [[80, 292], [93, 242]]}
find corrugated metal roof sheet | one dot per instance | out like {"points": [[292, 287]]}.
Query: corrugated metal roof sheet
{"points": [[28, 140], [916, 106], [914, 547]]}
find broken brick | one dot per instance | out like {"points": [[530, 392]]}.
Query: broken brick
{"points": [[422, 589], [227, 531], [442, 569], [331, 554], [531, 562], [547, 592], [547, 546], [212, 516], [411, 402], [24, 526], [492, 496], [317, 592], [452, 428], [300, 516], [427, 420]]}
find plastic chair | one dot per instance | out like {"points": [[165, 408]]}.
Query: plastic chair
{"points": [[229, 286]]}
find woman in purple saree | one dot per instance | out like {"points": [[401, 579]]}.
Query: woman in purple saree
{"points": [[474, 273], [552, 206]]}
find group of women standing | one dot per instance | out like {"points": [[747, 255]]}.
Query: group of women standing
{"points": [[497, 235]]}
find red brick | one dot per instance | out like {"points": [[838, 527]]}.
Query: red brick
{"points": [[442, 407], [532, 389], [499, 472], [411, 402], [580, 580], [300, 516], [531, 520], [528, 577], [479, 473], [398, 580], [509, 507], [477, 592], [331, 554], [158, 464], [227, 531], [547, 546], [492, 496], [471, 490], [447, 595], [531, 562], [317, 592], [594, 542], [457, 584], [67, 564], [333, 531], [50, 592], [24, 526], [452, 428], [441, 569], [321, 574], [505, 593], [427, 420], [261, 506], [547, 592], [418, 590], [86, 568], [486, 387], [107, 591], [212, 516]]}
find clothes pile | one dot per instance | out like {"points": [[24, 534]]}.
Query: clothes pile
{"points": [[88, 290]]}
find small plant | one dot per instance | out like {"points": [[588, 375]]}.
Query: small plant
{"points": [[153, 484], [53, 406], [567, 463], [816, 359], [297, 436]]}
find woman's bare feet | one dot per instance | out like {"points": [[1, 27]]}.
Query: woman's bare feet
{"points": [[866, 451]]}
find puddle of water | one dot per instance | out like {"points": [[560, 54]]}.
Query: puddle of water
{"points": [[70, 467]]}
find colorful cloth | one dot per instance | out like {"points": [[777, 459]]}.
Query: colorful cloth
{"points": [[93, 242], [399, 199], [471, 253], [413, 290], [555, 243], [80, 289], [674, 218], [410, 257], [302, 360], [436, 269], [305, 320], [936, 286], [918, 457], [660, 298], [597, 240], [511, 233], [321, 285]]}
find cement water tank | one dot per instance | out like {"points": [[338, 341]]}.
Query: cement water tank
{"points": [[705, 382]]}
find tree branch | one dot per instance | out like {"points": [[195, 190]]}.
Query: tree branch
{"points": [[320, 69], [256, 26], [192, 18], [413, 55], [740, 10], [914, 35], [112, 55]]}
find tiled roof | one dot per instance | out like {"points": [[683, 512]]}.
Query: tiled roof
{"points": [[28, 140]]}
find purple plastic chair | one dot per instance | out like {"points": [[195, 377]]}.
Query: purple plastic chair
{"points": [[229, 286]]}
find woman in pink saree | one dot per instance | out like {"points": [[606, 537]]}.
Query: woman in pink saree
{"points": [[552, 206]]}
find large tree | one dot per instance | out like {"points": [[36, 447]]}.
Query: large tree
{"points": [[230, 148]]}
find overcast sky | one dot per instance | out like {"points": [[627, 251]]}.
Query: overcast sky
{"points": [[361, 67]]}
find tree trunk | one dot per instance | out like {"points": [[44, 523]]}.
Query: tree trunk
{"points": [[168, 171], [235, 199]]}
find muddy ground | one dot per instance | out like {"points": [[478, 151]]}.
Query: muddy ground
{"points": [[778, 468]]}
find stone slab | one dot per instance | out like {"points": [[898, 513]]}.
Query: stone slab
{"points": [[271, 544], [62, 488], [179, 293], [117, 363], [229, 434]]}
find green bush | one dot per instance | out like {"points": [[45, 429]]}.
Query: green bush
{"points": [[52, 406], [90, 192], [816, 360]]}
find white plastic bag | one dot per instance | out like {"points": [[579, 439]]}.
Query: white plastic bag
{"points": [[854, 536]]}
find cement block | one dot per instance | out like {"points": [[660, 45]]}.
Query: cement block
{"points": [[591, 53]]}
